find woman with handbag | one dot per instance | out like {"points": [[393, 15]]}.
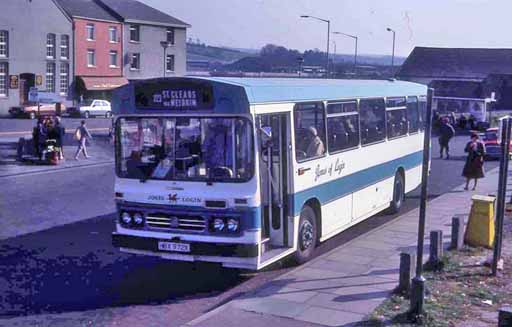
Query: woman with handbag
{"points": [[474, 167]]}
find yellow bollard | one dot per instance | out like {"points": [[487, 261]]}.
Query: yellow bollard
{"points": [[480, 229]]}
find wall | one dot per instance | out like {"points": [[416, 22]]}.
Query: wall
{"points": [[152, 53], [101, 45], [28, 28]]}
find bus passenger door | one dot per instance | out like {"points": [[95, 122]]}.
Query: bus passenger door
{"points": [[273, 140]]}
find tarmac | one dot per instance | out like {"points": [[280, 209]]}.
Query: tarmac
{"points": [[343, 287]]}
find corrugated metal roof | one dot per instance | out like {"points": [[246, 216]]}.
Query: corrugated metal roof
{"points": [[462, 63], [86, 9], [273, 90], [131, 10]]}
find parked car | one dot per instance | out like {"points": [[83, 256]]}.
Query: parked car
{"points": [[492, 148], [95, 108], [32, 111]]}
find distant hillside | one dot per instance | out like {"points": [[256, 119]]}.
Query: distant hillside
{"points": [[231, 54], [218, 54]]}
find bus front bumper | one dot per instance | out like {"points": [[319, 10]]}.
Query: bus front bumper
{"points": [[198, 250]]}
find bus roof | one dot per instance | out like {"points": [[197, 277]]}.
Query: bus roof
{"points": [[275, 90], [231, 95]]}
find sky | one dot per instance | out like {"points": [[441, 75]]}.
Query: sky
{"points": [[254, 23]]}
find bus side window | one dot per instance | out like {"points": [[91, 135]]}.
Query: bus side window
{"points": [[413, 114], [342, 126], [396, 115], [373, 120], [423, 111], [309, 119]]}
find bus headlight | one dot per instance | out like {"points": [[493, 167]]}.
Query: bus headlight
{"points": [[138, 219], [233, 225], [218, 224], [126, 218]]}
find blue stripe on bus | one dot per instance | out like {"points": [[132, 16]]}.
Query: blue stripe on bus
{"points": [[338, 188]]}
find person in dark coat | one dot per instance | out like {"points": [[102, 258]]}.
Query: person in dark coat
{"points": [[61, 131], [474, 167], [39, 137], [446, 132]]}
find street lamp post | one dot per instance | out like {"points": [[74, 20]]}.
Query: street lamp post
{"points": [[165, 45], [355, 55], [328, 40], [393, 53]]}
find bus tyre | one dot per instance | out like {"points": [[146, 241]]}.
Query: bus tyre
{"points": [[307, 236], [398, 194]]}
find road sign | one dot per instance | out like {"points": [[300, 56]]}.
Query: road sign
{"points": [[33, 94]]}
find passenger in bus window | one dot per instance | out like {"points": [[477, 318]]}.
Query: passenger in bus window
{"points": [[316, 147]]}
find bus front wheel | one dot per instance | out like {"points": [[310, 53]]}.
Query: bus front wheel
{"points": [[398, 194], [307, 237]]}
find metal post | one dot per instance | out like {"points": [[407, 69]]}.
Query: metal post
{"points": [[502, 189], [393, 54], [328, 41], [165, 60], [418, 283], [355, 59]]}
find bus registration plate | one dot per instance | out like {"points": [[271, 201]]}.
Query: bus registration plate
{"points": [[174, 247]]}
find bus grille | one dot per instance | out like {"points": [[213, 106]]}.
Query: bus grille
{"points": [[176, 222]]}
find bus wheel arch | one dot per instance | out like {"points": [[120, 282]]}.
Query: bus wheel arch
{"points": [[307, 236], [398, 195]]}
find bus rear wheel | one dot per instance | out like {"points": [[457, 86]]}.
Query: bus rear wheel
{"points": [[398, 194], [307, 236]]}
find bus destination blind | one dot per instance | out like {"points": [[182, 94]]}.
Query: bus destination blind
{"points": [[174, 98]]}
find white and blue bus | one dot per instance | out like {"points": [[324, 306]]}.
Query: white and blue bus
{"points": [[245, 172]]}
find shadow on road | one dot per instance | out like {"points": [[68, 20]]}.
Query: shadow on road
{"points": [[74, 267]]}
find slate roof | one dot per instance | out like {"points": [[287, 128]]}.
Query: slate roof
{"points": [[458, 63], [86, 9], [135, 11], [459, 89]]}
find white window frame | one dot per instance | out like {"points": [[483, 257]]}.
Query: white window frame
{"points": [[170, 56], [112, 34], [4, 76], [51, 39], [135, 55], [113, 55], [91, 63], [172, 31], [64, 46], [64, 78], [90, 31], [134, 27], [4, 42], [50, 77]]}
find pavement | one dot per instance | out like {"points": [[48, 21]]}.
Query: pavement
{"points": [[343, 286]]}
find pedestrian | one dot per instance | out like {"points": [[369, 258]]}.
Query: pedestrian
{"points": [[474, 167], [82, 135], [446, 132], [40, 137], [61, 132]]}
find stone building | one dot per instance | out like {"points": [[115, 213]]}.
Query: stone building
{"points": [[35, 51]]}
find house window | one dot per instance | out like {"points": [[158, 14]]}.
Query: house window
{"points": [[64, 78], [3, 79], [113, 59], [64, 47], [112, 33], [50, 46], [169, 63], [134, 33], [50, 77], [91, 58], [4, 44], [170, 35], [90, 32], [135, 61]]}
